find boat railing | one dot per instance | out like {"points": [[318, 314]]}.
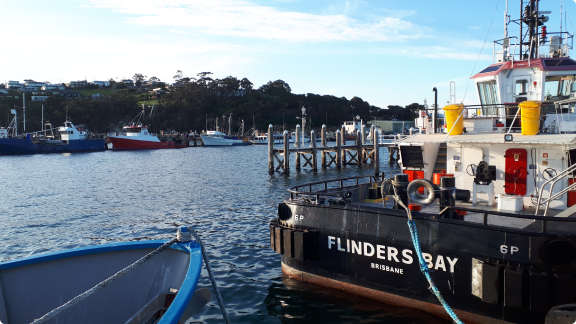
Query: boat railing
{"points": [[296, 192], [334, 188], [126, 134], [544, 50], [503, 53], [552, 181]]}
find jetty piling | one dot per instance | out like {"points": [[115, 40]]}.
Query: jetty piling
{"points": [[297, 144], [360, 152], [286, 152]]}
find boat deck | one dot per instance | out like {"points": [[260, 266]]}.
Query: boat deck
{"points": [[557, 221], [495, 220]]}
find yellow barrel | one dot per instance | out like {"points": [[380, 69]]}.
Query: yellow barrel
{"points": [[530, 112], [451, 113]]}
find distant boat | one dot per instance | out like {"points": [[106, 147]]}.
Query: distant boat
{"points": [[216, 138], [305, 138], [278, 139], [161, 290], [68, 139], [136, 136]]}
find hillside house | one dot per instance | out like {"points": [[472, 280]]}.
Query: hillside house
{"points": [[78, 84], [102, 83], [156, 93], [52, 87], [70, 95]]}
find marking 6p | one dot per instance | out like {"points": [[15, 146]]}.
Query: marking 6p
{"points": [[504, 249]]}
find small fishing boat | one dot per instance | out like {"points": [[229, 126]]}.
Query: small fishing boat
{"points": [[217, 138], [148, 282], [136, 136], [68, 139]]}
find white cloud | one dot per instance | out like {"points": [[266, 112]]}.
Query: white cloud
{"points": [[245, 19], [343, 7], [432, 52], [399, 13]]}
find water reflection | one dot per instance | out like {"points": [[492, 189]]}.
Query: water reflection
{"points": [[293, 301]]}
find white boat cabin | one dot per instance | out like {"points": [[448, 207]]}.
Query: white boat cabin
{"points": [[69, 132], [350, 127], [132, 130], [216, 134], [520, 142]]}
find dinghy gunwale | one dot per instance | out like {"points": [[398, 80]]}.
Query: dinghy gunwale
{"points": [[189, 284], [185, 291], [86, 250]]}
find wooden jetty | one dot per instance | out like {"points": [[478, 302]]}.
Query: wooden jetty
{"points": [[341, 154]]}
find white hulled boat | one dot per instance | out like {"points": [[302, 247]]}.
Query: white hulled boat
{"points": [[217, 138]]}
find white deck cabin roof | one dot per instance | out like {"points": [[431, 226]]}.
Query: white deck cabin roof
{"points": [[494, 138]]}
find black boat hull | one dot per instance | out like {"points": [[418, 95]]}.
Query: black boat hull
{"points": [[487, 274]]}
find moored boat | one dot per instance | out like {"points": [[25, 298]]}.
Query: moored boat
{"points": [[69, 139], [493, 199], [217, 138], [148, 282], [277, 138], [136, 136]]}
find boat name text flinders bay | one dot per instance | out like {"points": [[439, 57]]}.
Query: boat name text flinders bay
{"points": [[391, 253]]}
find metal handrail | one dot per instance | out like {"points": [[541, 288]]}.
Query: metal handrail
{"points": [[560, 193], [295, 192], [555, 179], [513, 120]]}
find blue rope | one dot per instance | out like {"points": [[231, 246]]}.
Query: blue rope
{"points": [[424, 269]]}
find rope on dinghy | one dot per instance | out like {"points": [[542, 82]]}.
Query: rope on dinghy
{"points": [[183, 236], [103, 284], [423, 265]]}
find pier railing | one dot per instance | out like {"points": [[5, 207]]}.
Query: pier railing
{"points": [[358, 153]]}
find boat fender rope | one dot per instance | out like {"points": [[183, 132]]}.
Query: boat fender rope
{"points": [[423, 264], [103, 284], [186, 235]]}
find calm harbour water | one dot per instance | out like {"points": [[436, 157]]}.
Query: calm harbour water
{"points": [[62, 201]]}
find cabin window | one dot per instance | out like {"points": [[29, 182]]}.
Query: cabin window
{"points": [[488, 93], [558, 87], [132, 130], [521, 88]]}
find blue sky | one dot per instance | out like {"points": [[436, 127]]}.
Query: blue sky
{"points": [[385, 52]]}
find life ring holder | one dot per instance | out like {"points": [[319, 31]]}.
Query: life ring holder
{"points": [[416, 197]]}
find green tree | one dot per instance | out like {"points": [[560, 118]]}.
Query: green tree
{"points": [[246, 84], [138, 79], [275, 88]]}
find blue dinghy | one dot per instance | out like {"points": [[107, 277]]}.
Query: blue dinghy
{"points": [[160, 289]]}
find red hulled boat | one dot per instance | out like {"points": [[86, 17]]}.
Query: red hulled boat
{"points": [[136, 136]]}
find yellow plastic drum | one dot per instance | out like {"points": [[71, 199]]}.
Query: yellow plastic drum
{"points": [[530, 112], [451, 113]]}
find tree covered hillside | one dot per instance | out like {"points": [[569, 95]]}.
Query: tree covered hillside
{"points": [[191, 103]]}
